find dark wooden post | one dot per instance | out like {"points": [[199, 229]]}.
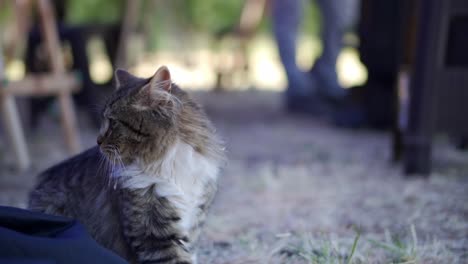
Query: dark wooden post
{"points": [[422, 112]]}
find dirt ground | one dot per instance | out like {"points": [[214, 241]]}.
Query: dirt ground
{"points": [[297, 190]]}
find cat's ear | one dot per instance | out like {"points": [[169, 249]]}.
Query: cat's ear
{"points": [[161, 79], [122, 77]]}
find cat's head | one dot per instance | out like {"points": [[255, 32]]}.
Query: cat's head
{"points": [[140, 119]]}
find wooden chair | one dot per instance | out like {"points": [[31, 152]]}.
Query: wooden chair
{"points": [[57, 83], [251, 16]]}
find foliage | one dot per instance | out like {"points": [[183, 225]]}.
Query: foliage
{"points": [[86, 11], [162, 18], [5, 12], [214, 15], [209, 16]]}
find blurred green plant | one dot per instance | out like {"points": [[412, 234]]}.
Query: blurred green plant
{"points": [[161, 18], [207, 16], [213, 15], [86, 11], [6, 11]]}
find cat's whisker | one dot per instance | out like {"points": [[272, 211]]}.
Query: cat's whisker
{"points": [[108, 172], [114, 161], [100, 164], [177, 100], [106, 166], [113, 164], [120, 159], [109, 158], [96, 108], [117, 160]]}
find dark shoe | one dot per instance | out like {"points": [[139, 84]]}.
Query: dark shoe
{"points": [[326, 80], [368, 106], [350, 116], [310, 105]]}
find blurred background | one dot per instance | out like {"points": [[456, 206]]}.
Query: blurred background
{"points": [[343, 119], [194, 38]]}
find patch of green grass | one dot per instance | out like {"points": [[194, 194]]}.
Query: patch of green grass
{"points": [[398, 249], [353, 248], [324, 251], [395, 249]]}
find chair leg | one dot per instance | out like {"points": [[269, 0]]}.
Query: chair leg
{"points": [[51, 40], [462, 143], [219, 81], [68, 120], [397, 144], [15, 132], [417, 159]]}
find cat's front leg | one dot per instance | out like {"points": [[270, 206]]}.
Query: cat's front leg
{"points": [[48, 200], [150, 226]]}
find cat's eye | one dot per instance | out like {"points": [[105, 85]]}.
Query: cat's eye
{"points": [[125, 124], [135, 133]]}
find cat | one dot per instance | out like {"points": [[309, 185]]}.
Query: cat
{"points": [[144, 190]]}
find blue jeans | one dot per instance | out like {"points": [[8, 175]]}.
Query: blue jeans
{"points": [[337, 16]]}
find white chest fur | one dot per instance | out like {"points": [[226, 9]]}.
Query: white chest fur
{"points": [[181, 176]]}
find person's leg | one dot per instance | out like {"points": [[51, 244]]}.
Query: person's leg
{"points": [[337, 16], [286, 17]]}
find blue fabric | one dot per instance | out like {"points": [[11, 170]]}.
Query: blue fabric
{"points": [[30, 237]]}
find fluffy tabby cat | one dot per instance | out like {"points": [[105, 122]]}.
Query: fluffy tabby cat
{"points": [[144, 191]]}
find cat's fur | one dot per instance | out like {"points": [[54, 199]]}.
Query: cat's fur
{"points": [[144, 191]]}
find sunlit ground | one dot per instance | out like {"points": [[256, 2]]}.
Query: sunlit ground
{"points": [[195, 68]]}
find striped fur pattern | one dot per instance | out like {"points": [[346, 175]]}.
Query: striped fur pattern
{"points": [[145, 189]]}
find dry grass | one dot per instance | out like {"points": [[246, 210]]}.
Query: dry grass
{"points": [[295, 189]]}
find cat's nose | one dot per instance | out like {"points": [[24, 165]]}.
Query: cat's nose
{"points": [[99, 140]]}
